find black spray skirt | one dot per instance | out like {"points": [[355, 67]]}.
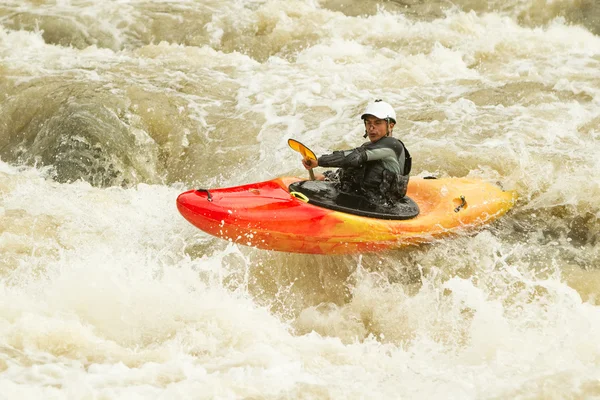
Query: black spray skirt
{"points": [[328, 195]]}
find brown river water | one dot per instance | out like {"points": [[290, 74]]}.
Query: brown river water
{"points": [[110, 109]]}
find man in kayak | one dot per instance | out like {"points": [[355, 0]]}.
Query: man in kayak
{"points": [[377, 170]]}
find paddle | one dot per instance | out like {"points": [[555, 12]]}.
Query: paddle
{"points": [[307, 154]]}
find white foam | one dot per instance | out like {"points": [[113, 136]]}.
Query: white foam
{"points": [[109, 292]]}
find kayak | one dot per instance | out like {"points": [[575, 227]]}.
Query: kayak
{"points": [[268, 216]]}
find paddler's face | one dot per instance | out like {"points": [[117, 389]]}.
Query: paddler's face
{"points": [[377, 128]]}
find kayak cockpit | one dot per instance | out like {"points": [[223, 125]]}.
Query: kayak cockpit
{"points": [[327, 195]]}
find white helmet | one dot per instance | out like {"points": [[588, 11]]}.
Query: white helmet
{"points": [[381, 110]]}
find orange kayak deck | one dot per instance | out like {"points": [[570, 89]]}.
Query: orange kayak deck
{"points": [[266, 216]]}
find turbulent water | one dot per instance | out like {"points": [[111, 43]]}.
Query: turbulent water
{"points": [[110, 109]]}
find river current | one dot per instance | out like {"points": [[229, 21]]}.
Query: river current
{"points": [[110, 109]]}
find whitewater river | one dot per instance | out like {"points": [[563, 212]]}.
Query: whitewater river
{"points": [[110, 109]]}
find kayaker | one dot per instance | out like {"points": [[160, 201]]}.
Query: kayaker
{"points": [[379, 169]]}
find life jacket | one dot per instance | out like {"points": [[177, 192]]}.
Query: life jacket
{"points": [[374, 180]]}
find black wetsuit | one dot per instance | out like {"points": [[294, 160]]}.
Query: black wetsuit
{"points": [[378, 171]]}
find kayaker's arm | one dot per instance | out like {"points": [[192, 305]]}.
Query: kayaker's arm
{"points": [[380, 154], [356, 157], [343, 159]]}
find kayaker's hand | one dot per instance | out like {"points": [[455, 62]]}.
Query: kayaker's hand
{"points": [[310, 163]]}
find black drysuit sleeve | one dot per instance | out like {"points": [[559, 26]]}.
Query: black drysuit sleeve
{"points": [[343, 159]]}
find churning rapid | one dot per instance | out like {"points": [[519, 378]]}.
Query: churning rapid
{"points": [[110, 109]]}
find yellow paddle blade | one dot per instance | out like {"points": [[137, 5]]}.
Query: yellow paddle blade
{"points": [[307, 153]]}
